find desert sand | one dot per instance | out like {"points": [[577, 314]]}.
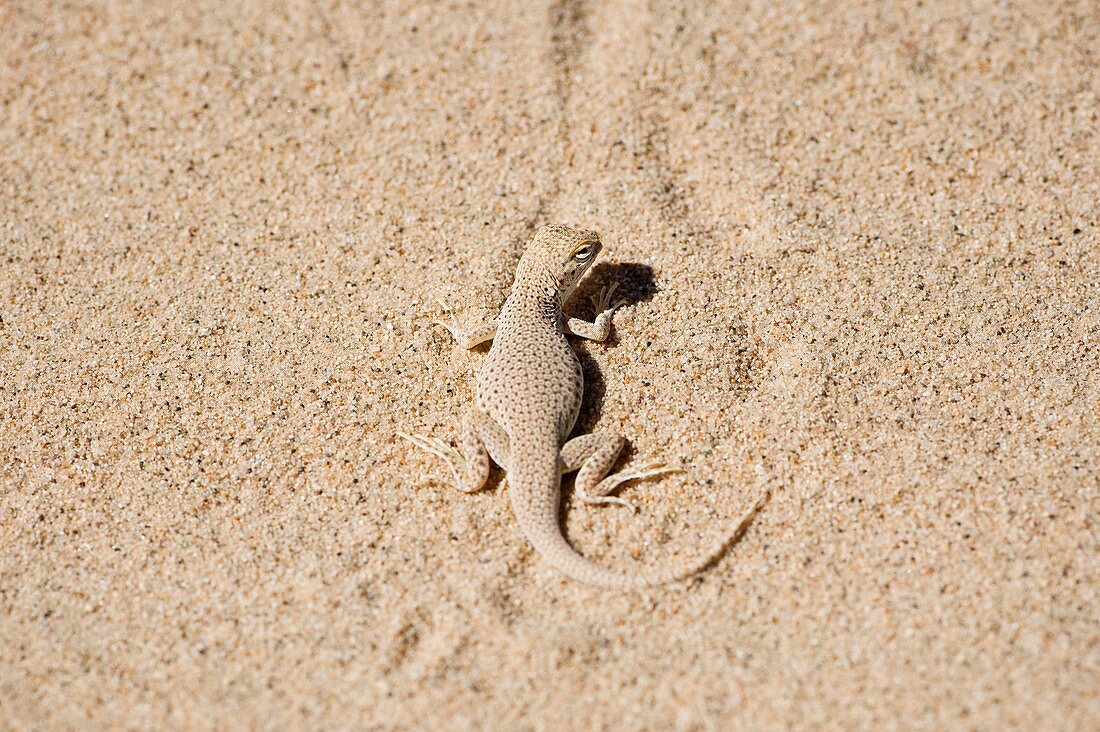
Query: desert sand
{"points": [[861, 247]]}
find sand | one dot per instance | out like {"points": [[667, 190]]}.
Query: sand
{"points": [[861, 244]]}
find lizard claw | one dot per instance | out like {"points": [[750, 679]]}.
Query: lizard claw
{"points": [[596, 500], [602, 301], [648, 471], [440, 449], [452, 327], [612, 482]]}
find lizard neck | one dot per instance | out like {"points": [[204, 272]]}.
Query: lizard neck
{"points": [[536, 301]]}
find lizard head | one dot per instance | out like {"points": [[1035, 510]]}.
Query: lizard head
{"points": [[558, 257]]}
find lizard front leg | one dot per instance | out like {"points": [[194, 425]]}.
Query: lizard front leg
{"points": [[600, 328], [473, 337], [468, 338], [594, 455]]}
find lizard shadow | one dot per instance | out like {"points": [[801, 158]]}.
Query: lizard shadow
{"points": [[636, 283]]}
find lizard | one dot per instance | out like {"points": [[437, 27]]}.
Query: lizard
{"points": [[527, 400]]}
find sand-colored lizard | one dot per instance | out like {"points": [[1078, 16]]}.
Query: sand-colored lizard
{"points": [[527, 400]]}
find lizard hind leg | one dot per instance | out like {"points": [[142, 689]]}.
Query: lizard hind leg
{"points": [[491, 434], [594, 455], [480, 437]]}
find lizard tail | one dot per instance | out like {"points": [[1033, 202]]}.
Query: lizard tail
{"points": [[543, 531]]}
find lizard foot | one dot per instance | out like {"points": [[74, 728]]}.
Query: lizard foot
{"points": [[611, 482], [441, 450], [602, 301], [449, 324], [597, 500]]}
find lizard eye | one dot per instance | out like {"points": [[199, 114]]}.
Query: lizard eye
{"points": [[583, 253]]}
